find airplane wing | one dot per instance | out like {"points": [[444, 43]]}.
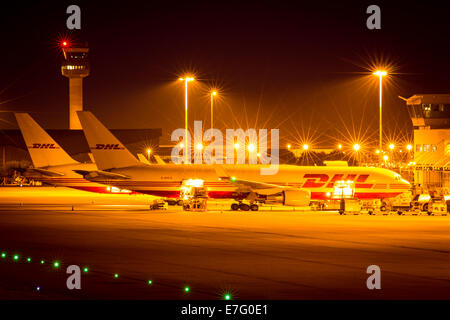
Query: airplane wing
{"points": [[99, 174], [46, 172], [256, 186]]}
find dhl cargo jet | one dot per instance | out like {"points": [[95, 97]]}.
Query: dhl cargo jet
{"points": [[291, 185], [52, 165]]}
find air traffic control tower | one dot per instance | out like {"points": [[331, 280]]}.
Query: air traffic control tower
{"points": [[430, 116], [75, 66]]}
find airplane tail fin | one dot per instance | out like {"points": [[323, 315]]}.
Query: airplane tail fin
{"points": [[158, 159], [143, 159], [44, 151], [107, 150]]}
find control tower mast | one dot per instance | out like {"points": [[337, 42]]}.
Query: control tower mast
{"points": [[75, 66]]}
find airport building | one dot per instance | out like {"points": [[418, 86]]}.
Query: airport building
{"points": [[430, 116], [75, 66]]}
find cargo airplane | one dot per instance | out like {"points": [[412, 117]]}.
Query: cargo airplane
{"points": [[291, 185]]}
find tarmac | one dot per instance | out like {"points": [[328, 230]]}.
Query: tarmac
{"points": [[274, 253]]}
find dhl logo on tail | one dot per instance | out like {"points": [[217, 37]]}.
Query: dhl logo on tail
{"points": [[43, 146], [102, 146]]}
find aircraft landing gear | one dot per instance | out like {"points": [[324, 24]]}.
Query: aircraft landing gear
{"points": [[244, 207]]}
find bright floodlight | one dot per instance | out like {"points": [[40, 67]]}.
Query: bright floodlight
{"points": [[305, 147], [199, 146], [251, 147], [385, 157], [186, 79], [392, 146], [214, 93], [288, 146], [339, 146], [380, 73], [356, 147], [236, 145], [409, 147]]}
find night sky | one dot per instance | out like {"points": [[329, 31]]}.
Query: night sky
{"points": [[302, 67]]}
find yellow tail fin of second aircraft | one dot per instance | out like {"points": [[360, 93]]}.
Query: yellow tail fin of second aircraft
{"points": [[107, 150]]}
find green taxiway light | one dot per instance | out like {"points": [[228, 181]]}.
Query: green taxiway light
{"points": [[116, 275], [149, 281], [3, 255], [186, 289], [28, 259], [16, 257], [233, 178], [56, 264], [42, 261], [227, 296], [85, 269]]}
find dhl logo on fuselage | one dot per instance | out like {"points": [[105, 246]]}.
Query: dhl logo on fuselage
{"points": [[43, 146], [323, 180], [102, 146]]}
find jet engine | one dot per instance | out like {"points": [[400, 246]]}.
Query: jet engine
{"points": [[299, 198]]}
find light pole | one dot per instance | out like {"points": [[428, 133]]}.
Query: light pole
{"points": [[186, 80], [213, 94], [381, 74]]}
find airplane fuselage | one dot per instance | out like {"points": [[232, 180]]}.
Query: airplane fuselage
{"points": [[71, 179], [166, 180]]}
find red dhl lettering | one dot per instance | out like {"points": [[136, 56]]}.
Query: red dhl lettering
{"points": [[311, 180], [320, 180]]}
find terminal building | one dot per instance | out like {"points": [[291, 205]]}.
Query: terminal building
{"points": [[430, 115]]}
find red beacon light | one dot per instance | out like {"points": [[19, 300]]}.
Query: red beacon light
{"points": [[64, 43]]}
